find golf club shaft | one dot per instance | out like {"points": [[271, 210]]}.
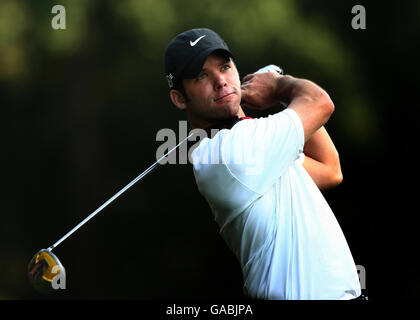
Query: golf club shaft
{"points": [[139, 177]]}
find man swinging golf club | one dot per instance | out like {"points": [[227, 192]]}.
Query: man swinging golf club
{"points": [[272, 216]]}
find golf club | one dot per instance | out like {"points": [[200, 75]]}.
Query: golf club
{"points": [[45, 271]]}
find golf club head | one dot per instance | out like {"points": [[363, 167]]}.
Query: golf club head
{"points": [[46, 273]]}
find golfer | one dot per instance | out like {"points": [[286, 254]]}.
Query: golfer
{"points": [[262, 177]]}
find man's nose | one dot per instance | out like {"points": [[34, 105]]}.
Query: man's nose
{"points": [[219, 81]]}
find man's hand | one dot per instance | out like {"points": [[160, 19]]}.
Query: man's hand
{"points": [[259, 90]]}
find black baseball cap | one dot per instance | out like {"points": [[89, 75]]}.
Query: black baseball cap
{"points": [[187, 52]]}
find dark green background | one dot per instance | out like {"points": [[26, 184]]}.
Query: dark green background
{"points": [[81, 108]]}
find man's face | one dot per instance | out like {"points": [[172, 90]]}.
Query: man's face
{"points": [[215, 94]]}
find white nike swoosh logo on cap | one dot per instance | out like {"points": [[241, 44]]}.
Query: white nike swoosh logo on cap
{"points": [[192, 44]]}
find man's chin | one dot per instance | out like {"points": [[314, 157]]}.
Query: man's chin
{"points": [[234, 111], [230, 108], [228, 113]]}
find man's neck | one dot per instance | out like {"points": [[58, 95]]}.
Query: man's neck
{"points": [[195, 123]]}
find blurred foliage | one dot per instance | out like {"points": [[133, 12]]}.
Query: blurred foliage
{"points": [[258, 33], [83, 105]]}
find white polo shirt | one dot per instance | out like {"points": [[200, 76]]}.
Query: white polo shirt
{"points": [[271, 213]]}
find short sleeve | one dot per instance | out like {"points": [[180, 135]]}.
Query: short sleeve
{"points": [[258, 151]]}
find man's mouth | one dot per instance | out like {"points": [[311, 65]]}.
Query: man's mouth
{"points": [[222, 97]]}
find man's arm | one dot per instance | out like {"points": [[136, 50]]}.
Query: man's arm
{"points": [[322, 161], [312, 104], [314, 107]]}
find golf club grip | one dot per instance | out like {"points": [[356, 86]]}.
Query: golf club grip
{"points": [[270, 68]]}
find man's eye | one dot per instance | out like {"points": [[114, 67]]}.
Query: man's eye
{"points": [[202, 76], [225, 67]]}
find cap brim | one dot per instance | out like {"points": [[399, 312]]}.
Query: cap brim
{"points": [[195, 67]]}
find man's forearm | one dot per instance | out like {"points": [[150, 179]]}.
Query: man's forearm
{"points": [[309, 100], [290, 88], [321, 148], [324, 163]]}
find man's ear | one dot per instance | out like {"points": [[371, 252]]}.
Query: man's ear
{"points": [[178, 99]]}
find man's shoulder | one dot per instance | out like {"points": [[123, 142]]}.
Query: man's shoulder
{"points": [[206, 150]]}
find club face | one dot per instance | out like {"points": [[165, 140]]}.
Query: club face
{"points": [[46, 272]]}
